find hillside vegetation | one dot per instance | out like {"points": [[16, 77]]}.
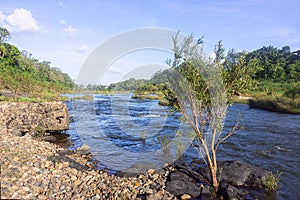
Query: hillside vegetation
{"points": [[24, 78]]}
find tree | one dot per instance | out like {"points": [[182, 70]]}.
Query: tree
{"points": [[197, 82], [4, 35]]}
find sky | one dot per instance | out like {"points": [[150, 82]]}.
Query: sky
{"points": [[66, 32]]}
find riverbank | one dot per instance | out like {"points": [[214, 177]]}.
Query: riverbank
{"points": [[282, 105], [33, 169]]}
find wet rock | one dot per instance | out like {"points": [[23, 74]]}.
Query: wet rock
{"points": [[237, 173], [180, 183], [228, 191]]}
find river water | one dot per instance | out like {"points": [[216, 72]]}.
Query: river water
{"points": [[122, 131]]}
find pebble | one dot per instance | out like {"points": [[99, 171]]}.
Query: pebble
{"points": [[185, 197], [28, 173], [150, 171]]}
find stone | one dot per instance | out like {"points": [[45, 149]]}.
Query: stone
{"points": [[48, 138], [150, 171], [83, 150], [96, 197], [24, 117], [185, 197], [155, 196], [238, 174], [180, 183], [228, 191]]}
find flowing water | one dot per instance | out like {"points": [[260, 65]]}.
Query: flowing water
{"points": [[122, 131]]}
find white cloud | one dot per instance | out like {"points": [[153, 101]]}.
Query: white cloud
{"points": [[83, 49], [70, 31], [21, 20], [2, 17], [62, 22], [116, 70]]}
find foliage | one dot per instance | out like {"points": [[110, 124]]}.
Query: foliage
{"points": [[25, 76], [4, 35], [129, 85], [197, 89], [293, 91], [275, 64], [270, 182], [39, 131]]}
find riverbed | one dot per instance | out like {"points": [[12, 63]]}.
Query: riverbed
{"points": [[122, 131]]}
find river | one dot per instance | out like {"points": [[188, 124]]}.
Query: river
{"points": [[122, 131]]}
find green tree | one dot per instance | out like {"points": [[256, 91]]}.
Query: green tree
{"points": [[196, 82], [4, 35]]}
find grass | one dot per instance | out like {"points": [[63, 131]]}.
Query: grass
{"points": [[34, 98], [276, 104], [270, 182], [273, 96], [84, 97]]}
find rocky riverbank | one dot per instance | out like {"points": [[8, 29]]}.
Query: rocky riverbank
{"points": [[33, 169]]}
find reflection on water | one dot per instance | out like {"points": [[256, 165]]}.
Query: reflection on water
{"points": [[269, 140]]}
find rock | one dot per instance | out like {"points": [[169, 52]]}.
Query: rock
{"points": [[155, 196], [185, 197], [228, 191], [17, 132], [150, 171], [180, 183], [96, 197], [237, 173], [48, 138], [136, 169], [25, 117], [83, 150]]}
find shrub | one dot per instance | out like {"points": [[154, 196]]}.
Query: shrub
{"points": [[271, 182]]}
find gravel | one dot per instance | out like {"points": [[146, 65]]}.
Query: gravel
{"points": [[34, 169]]}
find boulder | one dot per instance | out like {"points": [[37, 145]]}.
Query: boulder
{"points": [[24, 117], [237, 181], [180, 183]]}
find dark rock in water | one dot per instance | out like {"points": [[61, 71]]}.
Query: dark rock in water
{"points": [[237, 173], [180, 183], [49, 138], [228, 191], [237, 181]]}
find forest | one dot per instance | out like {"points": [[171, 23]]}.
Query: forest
{"points": [[24, 78]]}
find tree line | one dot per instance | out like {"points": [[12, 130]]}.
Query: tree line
{"points": [[23, 75]]}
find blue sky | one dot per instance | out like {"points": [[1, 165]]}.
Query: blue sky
{"points": [[65, 32]]}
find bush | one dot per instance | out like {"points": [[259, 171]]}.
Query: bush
{"points": [[270, 182], [292, 92]]}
